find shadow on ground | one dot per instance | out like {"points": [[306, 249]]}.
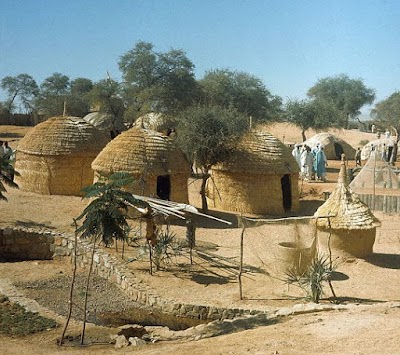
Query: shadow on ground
{"points": [[388, 261]]}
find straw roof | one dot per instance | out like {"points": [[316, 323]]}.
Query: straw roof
{"points": [[153, 121], [349, 211], [63, 136], [260, 153], [139, 150]]}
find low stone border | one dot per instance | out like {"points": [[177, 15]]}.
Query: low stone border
{"points": [[30, 244]]}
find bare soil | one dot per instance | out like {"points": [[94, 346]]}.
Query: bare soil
{"points": [[370, 326]]}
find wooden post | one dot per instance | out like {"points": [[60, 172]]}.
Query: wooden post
{"points": [[241, 264]]}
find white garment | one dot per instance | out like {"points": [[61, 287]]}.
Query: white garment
{"points": [[307, 160], [297, 154]]}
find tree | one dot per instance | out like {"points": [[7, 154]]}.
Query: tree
{"points": [[347, 95], [156, 81], [22, 87], [207, 134], [78, 100], [106, 95], [242, 91], [387, 112], [311, 114], [104, 219], [54, 91]]}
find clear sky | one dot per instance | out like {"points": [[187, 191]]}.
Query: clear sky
{"points": [[289, 44]]}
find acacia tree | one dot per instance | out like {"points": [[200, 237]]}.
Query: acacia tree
{"points": [[22, 87], [207, 134], [347, 95], [387, 112], [156, 81], [242, 91], [53, 92], [310, 114]]}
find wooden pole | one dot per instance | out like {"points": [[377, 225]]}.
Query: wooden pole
{"points": [[241, 264]]}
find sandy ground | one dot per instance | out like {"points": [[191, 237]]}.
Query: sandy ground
{"points": [[371, 285]]}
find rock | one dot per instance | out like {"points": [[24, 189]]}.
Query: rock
{"points": [[121, 342], [135, 341], [132, 331]]}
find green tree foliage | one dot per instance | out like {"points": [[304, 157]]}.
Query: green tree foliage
{"points": [[242, 91], [311, 114], [21, 87], [347, 95], [106, 96], [207, 135], [78, 100], [156, 81], [53, 93], [387, 112]]}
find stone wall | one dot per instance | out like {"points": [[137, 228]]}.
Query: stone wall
{"points": [[29, 244]]}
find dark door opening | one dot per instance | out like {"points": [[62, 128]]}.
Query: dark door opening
{"points": [[338, 151], [163, 187], [286, 192]]}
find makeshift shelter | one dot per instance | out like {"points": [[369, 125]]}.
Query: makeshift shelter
{"points": [[160, 169], [55, 157], [376, 174], [153, 121], [352, 231], [105, 122], [333, 147], [377, 145], [259, 177]]}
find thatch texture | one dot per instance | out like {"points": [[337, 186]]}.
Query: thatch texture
{"points": [[153, 121], [55, 157], [333, 146], [354, 226], [250, 180], [146, 155]]}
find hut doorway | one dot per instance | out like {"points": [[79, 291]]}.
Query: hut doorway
{"points": [[286, 192], [163, 187], [338, 150]]}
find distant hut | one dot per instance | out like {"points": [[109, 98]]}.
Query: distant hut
{"points": [[160, 169], [333, 147], [55, 157], [259, 177], [353, 227]]}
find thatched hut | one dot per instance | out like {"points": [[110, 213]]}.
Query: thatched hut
{"points": [[259, 177], [351, 232], [55, 157], [334, 147], [160, 169]]}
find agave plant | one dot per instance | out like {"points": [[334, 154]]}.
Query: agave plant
{"points": [[313, 279]]}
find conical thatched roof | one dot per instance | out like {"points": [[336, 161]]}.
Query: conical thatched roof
{"points": [[328, 141], [63, 136], [139, 151], [260, 153], [349, 211]]}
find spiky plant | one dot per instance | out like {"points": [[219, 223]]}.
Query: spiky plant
{"points": [[313, 279], [7, 173]]}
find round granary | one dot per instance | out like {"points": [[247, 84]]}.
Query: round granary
{"points": [[158, 166], [259, 177], [55, 157]]}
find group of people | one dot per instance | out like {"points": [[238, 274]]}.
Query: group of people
{"points": [[312, 162]]}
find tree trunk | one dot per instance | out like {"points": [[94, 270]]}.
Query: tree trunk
{"points": [[303, 135], [204, 205]]}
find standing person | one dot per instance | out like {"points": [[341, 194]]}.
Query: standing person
{"points": [[393, 157], [320, 164], [7, 151], [384, 153], [357, 157], [297, 154], [307, 159]]}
